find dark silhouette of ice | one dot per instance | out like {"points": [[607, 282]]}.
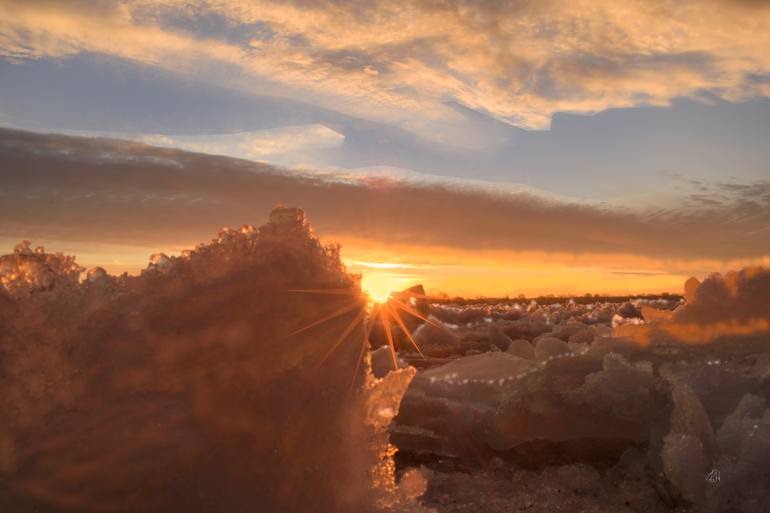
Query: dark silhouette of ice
{"points": [[180, 390]]}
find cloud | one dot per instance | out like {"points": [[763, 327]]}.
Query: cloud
{"points": [[519, 61], [282, 145], [123, 192], [277, 144], [612, 155]]}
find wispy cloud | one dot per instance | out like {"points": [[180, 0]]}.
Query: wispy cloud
{"points": [[519, 61], [281, 145]]}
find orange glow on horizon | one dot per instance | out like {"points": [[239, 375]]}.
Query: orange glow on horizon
{"points": [[385, 267], [495, 273]]}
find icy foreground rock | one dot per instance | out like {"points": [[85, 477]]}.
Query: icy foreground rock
{"points": [[180, 390], [668, 412]]}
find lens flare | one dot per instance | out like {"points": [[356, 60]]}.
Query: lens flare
{"points": [[379, 285], [386, 308]]}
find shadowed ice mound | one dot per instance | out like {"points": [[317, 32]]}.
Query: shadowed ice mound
{"points": [[180, 391]]}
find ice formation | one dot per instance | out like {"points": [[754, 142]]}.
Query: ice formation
{"points": [[180, 390], [647, 405], [205, 384]]}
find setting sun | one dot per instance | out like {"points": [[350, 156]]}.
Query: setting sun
{"points": [[379, 285]]}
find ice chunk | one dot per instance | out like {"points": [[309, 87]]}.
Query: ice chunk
{"points": [[96, 274], [446, 408], [211, 375], [735, 428], [159, 262], [685, 466], [478, 376], [690, 286], [689, 417], [624, 390], [689, 449], [586, 335], [740, 297], [628, 310], [522, 349], [565, 331], [529, 327], [619, 320], [27, 271], [497, 338], [382, 361], [548, 347], [435, 339]]}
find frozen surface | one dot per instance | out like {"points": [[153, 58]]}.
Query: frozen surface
{"points": [[640, 406], [213, 383]]}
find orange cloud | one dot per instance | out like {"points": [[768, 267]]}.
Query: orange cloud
{"points": [[519, 61]]}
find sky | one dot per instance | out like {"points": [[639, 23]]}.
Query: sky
{"points": [[479, 148]]}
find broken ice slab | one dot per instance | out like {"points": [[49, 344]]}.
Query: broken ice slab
{"points": [[615, 395], [481, 378], [497, 338], [548, 347], [522, 349], [444, 407], [382, 362]]}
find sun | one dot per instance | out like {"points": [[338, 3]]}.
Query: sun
{"points": [[386, 307], [379, 285], [378, 288]]}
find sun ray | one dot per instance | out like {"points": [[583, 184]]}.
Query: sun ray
{"points": [[364, 343], [336, 313], [408, 309], [335, 292], [350, 327], [400, 322], [413, 295], [387, 312], [389, 336], [374, 312]]}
